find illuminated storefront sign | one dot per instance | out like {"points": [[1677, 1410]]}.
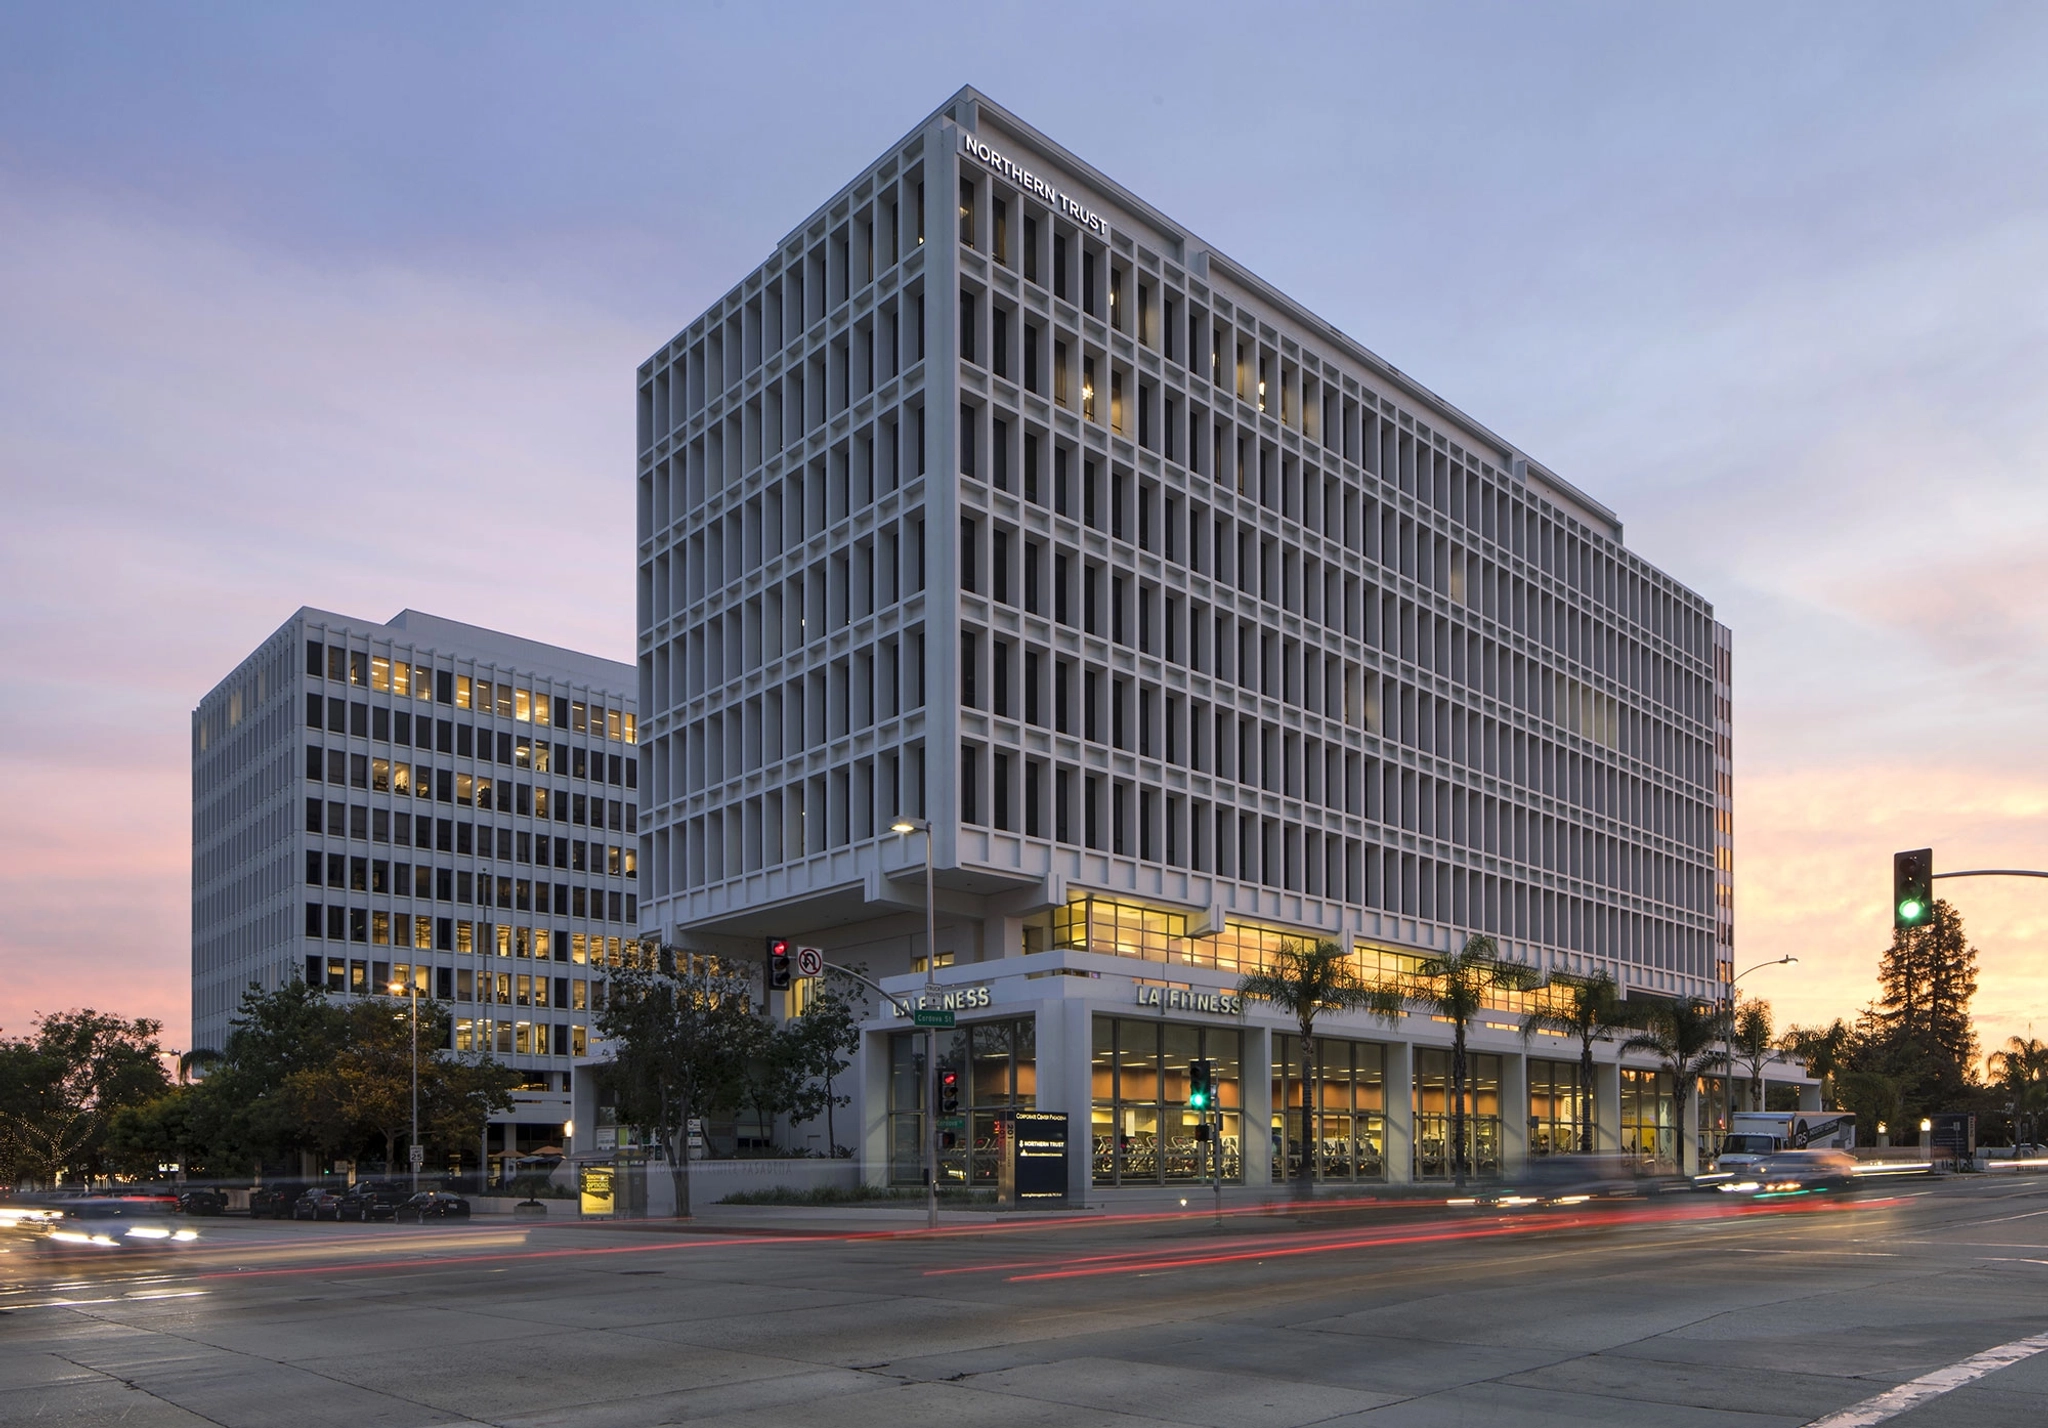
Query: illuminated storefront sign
{"points": [[1032, 183], [1186, 999], [958, 999]]}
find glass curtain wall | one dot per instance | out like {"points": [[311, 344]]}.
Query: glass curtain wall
{"points": [[1559, 1107], [1143, 1132], [997, 1063], [1349, 1109], [1433, 1114], [1649, 1124]]}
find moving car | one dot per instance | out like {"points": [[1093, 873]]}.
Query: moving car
{"points": [[202, 1202], [112, 1224], [1569, 1179], [275, 1201], [317, 1204], [371, 1200], [1795, 1172], [432, 1205]]}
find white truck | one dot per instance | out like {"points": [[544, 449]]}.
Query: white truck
{"points": [[1752, 1135]]}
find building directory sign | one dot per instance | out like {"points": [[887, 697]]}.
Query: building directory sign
{"points": [[1033, 1164]]}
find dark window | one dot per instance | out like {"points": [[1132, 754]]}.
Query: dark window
{"points": [[315, 711], [380, 724], [316, 658], [312, 814], [337, 716], [359, 720], [444, 686]]}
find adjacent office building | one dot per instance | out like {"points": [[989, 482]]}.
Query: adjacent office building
{"points": [[425, 803], [997, 498]]}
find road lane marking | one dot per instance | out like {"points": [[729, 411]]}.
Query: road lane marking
{"points": [[1932, 1385]]}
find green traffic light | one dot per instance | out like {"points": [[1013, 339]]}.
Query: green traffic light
{"points": [[1910, 909]]}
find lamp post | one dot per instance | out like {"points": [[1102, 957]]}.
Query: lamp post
{"points": [[906, 826], [1728, 1039], [412, 1148]]}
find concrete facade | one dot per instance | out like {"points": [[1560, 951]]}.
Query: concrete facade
{"points": [[998, 498], [420, 799]]}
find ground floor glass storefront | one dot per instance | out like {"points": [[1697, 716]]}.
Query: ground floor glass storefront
{"points": [[1433, 1114], [1649, 1123], [1349, 1109], [1560, 1107], [1142, 1131], [996, 1063]]}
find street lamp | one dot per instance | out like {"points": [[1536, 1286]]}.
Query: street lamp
{"points": [[1728, 1039], [412, 1148], [907, 825]]}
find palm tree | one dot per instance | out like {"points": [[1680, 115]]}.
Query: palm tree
{"points": [[1825, 1050], [1685, 1036], [1454, 986], [1753, 1042], [1305, 979], [2022, 1068], [1591, 1010], [195, 1063]]}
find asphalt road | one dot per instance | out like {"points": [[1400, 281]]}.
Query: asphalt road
{"points": [[1689, 1311]]}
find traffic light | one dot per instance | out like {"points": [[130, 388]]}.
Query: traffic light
{"points": [[1201, 1085], [1913, 888], [778, 964], [949, 1093]]}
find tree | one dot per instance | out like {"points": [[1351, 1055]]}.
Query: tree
{"points": [[1591, 1009], [61, 1088], [1454, 986], [1825, 1050], [1919, 1033], [800, 1060], [1304, 980], [1754, 1040], [684, 1033], [1686, 1038]]}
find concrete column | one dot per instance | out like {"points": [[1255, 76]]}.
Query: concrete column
{"points": [[1606, 1105], [1065, 1036], [870, 1108], [1809, 1097], [1514, 1112], [1255, 1133], [1400, 1113]]}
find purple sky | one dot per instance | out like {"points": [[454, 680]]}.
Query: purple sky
{"points": [[342, 308]]}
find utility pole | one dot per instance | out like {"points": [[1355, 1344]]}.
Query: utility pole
{"points": [[413, 1153], [907, 825]]}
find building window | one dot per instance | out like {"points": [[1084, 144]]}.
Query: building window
{"points": [[1432, 1114], [995, 1068], [1348, 1110], [1141, 1130]]}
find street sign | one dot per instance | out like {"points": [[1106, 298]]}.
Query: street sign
{"points": [[419, 1156], [932, 1017], [952, 1123], [810, 962]]}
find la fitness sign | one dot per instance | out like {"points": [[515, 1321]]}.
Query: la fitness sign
{"points": [[1031, 183], [1187, 999]]}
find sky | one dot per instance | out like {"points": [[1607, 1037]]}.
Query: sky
{"points": [[341, 306]]}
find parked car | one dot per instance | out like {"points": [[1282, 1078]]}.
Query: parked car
{"points": [[432, 1205], [317, 1204], [202, 1202], [371, 1200], [275, 1201], [125, 1224], [1796, 1172]]}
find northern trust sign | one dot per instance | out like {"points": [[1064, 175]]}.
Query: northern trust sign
{"points": [[1031, 183]]}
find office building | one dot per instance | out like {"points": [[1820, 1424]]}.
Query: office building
{"points": [[425, 802], [997, 497]]}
